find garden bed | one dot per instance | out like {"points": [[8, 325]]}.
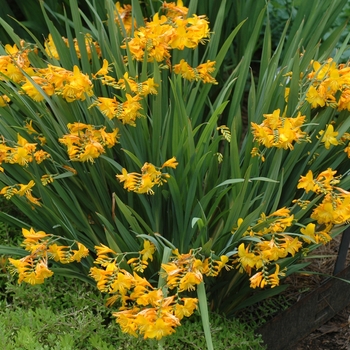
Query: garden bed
{"points": [[317, 300]]}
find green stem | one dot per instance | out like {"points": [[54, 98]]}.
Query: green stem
{"points": [[161, 284], [203, 308]]}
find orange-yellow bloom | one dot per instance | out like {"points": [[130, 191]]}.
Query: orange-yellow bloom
{"points": [[329, 136]]}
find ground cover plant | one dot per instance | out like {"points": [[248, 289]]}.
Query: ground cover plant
{"points": [[123, 143], [65, 314]]}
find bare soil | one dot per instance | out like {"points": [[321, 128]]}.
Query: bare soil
{"points": [[334, 334]]}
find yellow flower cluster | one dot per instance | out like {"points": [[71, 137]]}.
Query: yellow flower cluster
{"points": [[185, 271], [173, 30], [51, 50], [335, 206], [201, 73], [20, 190], [22, 153], [15, 63], [170, 31], [149, 177], [279, 131], [146, 310], [85, 142], [33, 268], [273, 244], [72, 85], [4, 100], [128, 110], [330, 85], [123, 16]]}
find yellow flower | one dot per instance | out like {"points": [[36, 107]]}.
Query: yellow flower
{"points": [[82, 252], [122, 283], [32, 199], [274, 120], [172, 273], [159, 329], [247, 259], [263, 135], [108, 139], [42, 271], [189, 281], [175, 10], [148, 250], [31, 235], [102, 251], [131, 110], [257, 280], [145, 185], [87, 145], [309, 231], [325, 212], [14, 73], [274, 279], [187, 309], [329, 136], [148, 87], [78, 84], [125, 14], [171, 163], [31, 270], [285, 212], [185, 70], [307, 182], [220, 264], [8, 191], [50, 47], [291, 245], [25, 188], [33, 92], [271, 251], [104, 69], [153, 298], [316, 97], [327, 179], [204, 70], [344, 100], [41, 155], [108, 106], [127, 321], [57, 252], [4, 100], [198, 31], [91, 151]]}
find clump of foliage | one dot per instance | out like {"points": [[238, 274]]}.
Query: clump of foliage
{"points": [[122, 144]]}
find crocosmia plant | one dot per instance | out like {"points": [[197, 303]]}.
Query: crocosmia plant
{"points": [[150, 165]]}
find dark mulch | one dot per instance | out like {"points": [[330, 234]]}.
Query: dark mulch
{"points": [[335, 333]]}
